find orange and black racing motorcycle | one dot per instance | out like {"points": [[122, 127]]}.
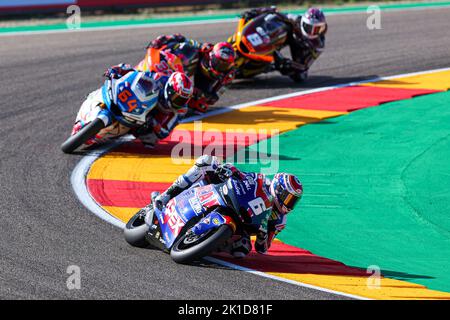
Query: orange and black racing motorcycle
{"points": [[257, 43]]}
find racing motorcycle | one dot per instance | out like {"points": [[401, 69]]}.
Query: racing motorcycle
{"points": [[113, 110], [257, 43], [200, 220], [172, 57], [166, 61]]}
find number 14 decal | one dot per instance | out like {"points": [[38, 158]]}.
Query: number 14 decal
{"points": [[258, 206]]}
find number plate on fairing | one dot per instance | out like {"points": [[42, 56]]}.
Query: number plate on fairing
{"points": [[251, 197]]}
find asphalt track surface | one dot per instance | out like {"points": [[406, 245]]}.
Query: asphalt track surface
{"points": [[44, 228]]}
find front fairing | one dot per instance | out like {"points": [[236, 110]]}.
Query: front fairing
{"points": [[265, 34], [193, 207], [166, 60], [247, 199], [123, 102], [187, 206]]}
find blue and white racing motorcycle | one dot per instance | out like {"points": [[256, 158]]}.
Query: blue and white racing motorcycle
{"points": [[202, 219], [114, 109]]}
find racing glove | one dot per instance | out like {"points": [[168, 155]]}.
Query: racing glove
{"points": [[199, 105], [206, 47], [227, 170], [160, 131], [275, 225], [250, 14], [118, 71], [223, 172], [162, 199], [165, 39]]}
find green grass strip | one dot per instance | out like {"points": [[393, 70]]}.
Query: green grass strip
{"points": [[199, 18], [376, 188]]}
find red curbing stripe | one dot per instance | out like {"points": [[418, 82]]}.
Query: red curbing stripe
{"points": [[283, 258], [349, 98], [123, 193]]}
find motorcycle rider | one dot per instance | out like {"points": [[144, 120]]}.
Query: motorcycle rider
{"points": [[306, 40], [175, 92], [282, 193], [211, 66]]}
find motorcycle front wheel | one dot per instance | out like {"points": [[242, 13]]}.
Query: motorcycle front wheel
{"points": [[87, 132], [188, 249], [136, 230]]}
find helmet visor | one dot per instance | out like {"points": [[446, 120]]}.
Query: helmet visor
{"points": [[313, 29], [178, 101], [287, 200], [219, 65]]}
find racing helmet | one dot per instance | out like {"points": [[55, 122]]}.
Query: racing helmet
{"points": [[312, 23], [219, 61], [286, 190], [178, 91], [188, 53]]}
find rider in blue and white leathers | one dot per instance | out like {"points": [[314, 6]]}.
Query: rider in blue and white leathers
{"points": [[174, 92], [284, 191]]}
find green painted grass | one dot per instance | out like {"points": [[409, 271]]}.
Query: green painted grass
{"points": [[376, 188]]}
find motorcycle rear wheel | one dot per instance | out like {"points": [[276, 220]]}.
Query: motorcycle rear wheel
{"points": [[184, 254], [87, 132]]}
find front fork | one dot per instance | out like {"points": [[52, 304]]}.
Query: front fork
{"points": [[106, 116]]}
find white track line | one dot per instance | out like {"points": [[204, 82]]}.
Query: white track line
{"points": [[79, 174], [78, 181]]}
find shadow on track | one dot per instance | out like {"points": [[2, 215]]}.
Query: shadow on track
{"points": [[303, 265]]}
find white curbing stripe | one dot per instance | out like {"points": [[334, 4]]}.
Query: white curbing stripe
{"points": [[79, 174], [78, 181]]}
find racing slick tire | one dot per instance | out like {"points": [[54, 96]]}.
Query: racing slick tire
{"points": [[136, 230], [184, 254], [87, 132]]}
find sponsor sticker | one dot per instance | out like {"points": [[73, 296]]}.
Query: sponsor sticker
{"points": [[195, 204]]}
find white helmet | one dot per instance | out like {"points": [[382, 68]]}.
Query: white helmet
{"points": [[312, 23]]}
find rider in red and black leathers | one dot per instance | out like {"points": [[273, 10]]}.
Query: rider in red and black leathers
{"points": [[281, 194], [211, 66], [306, 40]]}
